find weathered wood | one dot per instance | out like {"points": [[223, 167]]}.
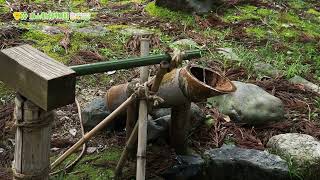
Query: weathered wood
{"points": [[41, 79], [180, 120], [31, 157]]}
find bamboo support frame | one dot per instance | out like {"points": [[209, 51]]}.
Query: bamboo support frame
{"points": [[143, 117], [91, 133]]}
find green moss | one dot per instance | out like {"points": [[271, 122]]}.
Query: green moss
{"points": [[95, 166], [116, 27], [164, 13], [49, 44], [265, 12], [297, 4], [256, 32], [104, 2], [242, 13], [313, 12], [289, 33]]}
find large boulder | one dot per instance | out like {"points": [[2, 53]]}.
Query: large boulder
{"points": [[233, 163], [199, 6], [187, 167], [249, 104], [302, 150]]}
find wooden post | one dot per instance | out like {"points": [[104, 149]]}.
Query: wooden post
{"points": [[143, 117], [31, 158], [180, 118]]}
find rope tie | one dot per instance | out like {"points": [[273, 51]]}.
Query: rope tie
{"points": [[176, 58], [143, 92], [42, 121]]}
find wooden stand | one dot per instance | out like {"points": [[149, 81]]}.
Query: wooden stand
{"points": [[31, 158], [180, 117]]}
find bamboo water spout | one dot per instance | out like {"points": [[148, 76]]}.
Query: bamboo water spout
{"points": [[192, 83], [179, 88]]}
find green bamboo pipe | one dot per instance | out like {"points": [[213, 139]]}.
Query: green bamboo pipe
{"points": [[106, 66]]}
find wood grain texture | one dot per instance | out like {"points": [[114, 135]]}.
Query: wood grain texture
{"points": [[31, 158], [41, 79]]}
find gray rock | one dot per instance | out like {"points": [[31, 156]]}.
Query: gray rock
{"points": [[135, 31], [233, 163], [51, 30], [249, 104], [228, 53], [92, 30], [185, 43], [196, 113], [308, 85], [188, 167], [94, 113], [264, 69], [158, 128], [199, 6], [302, 150]]}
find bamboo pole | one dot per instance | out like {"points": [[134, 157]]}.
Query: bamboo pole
{"points": [[132, 116], [143, 116], [91, 133], [129, 146]]}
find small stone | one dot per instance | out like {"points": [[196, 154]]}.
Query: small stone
{"points": [[186, 43], [1, 150], [231, 162], [92, 30], [135, 31], [52, 30], [264, 69], [111, 72], [307, 84], [91, 150], [228, 54], [302, 150], [60, 113], [65, 118], [54, 149], [249, 104], [198, 6], [73, 132]]}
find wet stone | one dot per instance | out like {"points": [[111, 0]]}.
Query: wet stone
{"points": [[187, 167], [233, 163]]}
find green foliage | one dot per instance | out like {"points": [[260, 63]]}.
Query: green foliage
{"points": [[164, 13]]}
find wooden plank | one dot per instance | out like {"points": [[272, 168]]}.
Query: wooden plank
{"points": [[39, 78]]}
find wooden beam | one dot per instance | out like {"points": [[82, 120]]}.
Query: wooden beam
{"points": [[42, 80]]}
